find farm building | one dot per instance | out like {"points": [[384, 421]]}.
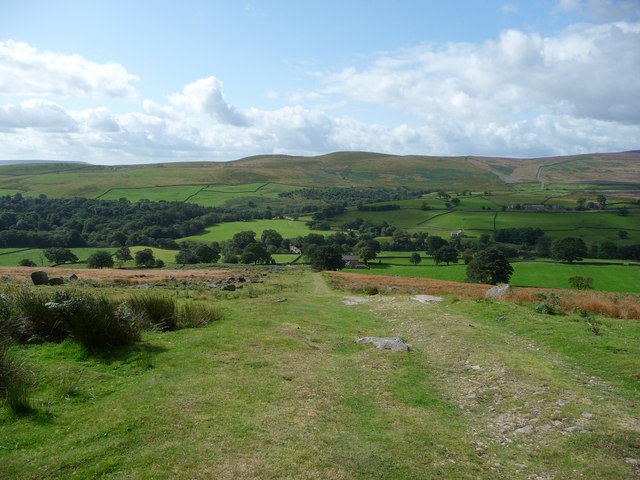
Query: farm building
{"points": [[352, 261]]}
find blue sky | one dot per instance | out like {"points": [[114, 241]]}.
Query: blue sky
{"points": [[138, 81]]}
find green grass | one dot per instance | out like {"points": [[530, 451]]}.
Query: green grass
{"points": [[611, 278], [169, 194], [281, 390], [403, 218], [225, 231], [13, 256]]}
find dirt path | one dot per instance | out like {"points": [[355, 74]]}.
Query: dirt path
{"points": [[320, 286]]}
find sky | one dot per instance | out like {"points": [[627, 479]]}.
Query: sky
{"points": [[137, 81]]}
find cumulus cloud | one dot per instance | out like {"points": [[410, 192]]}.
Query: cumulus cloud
{"points": [[586, 70], [36, 114], [204, 97], [25, 71]]}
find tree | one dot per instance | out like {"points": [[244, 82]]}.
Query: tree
{"points": [[415, 258], [434, 243], [100, 259], [123, 254], [581, 283], [489, 266], [242, 239], [255, 253], [367, 249], [602, 200], [59, 255], [145, 258], [325, 258], [25, 262], [568, 249], [446, 254]]}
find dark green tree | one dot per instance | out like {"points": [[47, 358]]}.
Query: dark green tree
{"points": [[100, 259], [255, 253], [415, 258], [367, 250], [122, 255], [325, 257], [59, 255], [489, 266], [434, 243], [145, 258], [25, 262], [446, 254], [568, 249]]}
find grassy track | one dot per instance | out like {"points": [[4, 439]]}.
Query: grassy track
{"points": [[281, 390]]}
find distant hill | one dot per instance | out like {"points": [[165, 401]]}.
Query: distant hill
{"points": [[363, 169]]}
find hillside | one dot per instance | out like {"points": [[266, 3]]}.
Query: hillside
{"points": [[279, 388], [335, 169]]}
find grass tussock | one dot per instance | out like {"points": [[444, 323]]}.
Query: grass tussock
{"points": [[193, 315], [156, 311], [15, 383]]}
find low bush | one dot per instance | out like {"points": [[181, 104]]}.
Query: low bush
{"points": [[546, 308], [157, 311]]}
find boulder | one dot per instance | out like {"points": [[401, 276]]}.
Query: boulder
{"points": [[73, 276], [39, 277], [241, 278], [499, 291], [230, 287], [395, 344], [56, 281], [280, 300]]}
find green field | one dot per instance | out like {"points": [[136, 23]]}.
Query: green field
{"points": [[225, 231], [283, 390], [169, 194], [215, 195], [610, 278]]}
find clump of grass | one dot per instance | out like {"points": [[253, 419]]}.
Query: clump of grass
{"points": [[95, 322], [38, 322], [14, 380], [371, 290], [193, 315], [157, 311], [546, 308]]}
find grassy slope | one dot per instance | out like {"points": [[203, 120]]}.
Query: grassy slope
{"points": [[289, 394]]}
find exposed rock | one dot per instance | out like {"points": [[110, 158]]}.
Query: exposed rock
{"points": [[526, 429], [39, 277], [632, 461], [586, 415], [56, 281], [395, 344], [427, 298], [230, 287], [241, 278], [499, 291], [73, 276], [7, 278], [280, 300], [355, 300]]}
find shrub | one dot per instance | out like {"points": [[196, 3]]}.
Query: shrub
{"points": [[192, 315], [546, 308], [25, 262], [158, 311], [581, 283]]}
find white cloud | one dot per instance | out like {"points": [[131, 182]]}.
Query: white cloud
{"points": [[509, 8], [205, 97], [36, 114], [25, 71]]}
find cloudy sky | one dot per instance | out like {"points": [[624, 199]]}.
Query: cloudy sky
{"points": [[140, 81]]}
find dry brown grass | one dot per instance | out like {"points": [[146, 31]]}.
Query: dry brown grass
{"points": [[603, 303], [124, 276]]}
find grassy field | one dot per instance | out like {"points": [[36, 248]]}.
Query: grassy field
{"points": [[225, 231], [611, 278], [282, 390]]}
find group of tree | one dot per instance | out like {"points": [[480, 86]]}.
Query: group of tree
{"points": [[347, 196]]}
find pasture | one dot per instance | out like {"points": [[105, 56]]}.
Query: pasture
{"points": [[609, 278], [225, 231]]}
